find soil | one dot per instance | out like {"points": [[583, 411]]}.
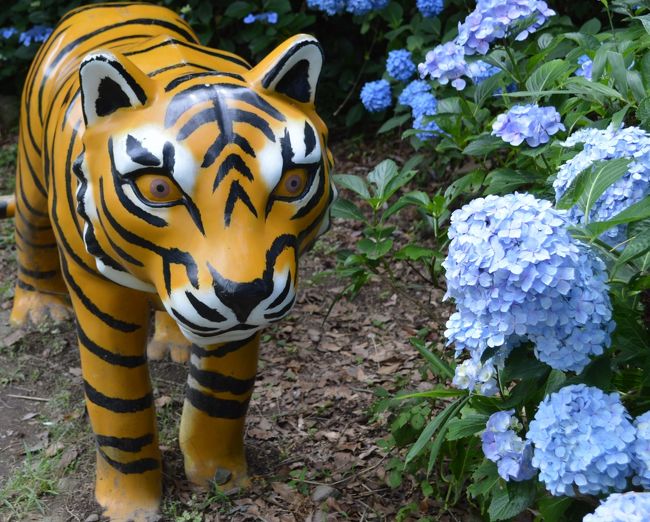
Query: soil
{"points": [[311, 437]]}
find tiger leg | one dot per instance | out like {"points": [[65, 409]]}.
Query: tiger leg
{"points": [[220, 385], [168, 338], [40, 290], [112, 326]]}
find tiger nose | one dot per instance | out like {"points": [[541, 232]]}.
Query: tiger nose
{"points": [[241, 298]]}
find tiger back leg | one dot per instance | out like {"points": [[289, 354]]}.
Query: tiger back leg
{"points": [[219, 388], [112, 324], [167, 338], [40, 292]]}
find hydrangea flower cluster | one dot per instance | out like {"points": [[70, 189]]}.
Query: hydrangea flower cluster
{"points": [[474, 375], [479, 71], [622, 507], [270, 18], [581, 438], [376, 96], [529, 122], [610, 143], [503, 446], [399, 65], [423, 103], [517, 275], [490, 20], [414, 88], [356, 7], [38, 33], [493, 19], [445, 63], [641, 452], [430, 8], [585, 64]]}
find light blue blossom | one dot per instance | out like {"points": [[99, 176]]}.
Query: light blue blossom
{"points": [[494, 19], [506, 449], [399, 65], [516, 275], [445, 63], [376, 96], [581, 439], [414, 88], [430, 8], [8, 32], [530, 122], [641, 451], [610, 143], [424, 106], [38, 33], [479, 71], [476, 376], [271, 18], [585, 64], [331, 7], [362, 7], [622, 507]]}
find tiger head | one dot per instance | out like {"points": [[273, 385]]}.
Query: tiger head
{"points": [[207, 188]]}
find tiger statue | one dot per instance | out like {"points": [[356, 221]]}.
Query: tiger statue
{"points": [[156, 173]]}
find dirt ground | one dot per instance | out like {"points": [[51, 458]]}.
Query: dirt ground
{"points": [[311, 440]]}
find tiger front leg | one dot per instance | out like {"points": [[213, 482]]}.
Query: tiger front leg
{"points": [[112, 331], [220, 385]]}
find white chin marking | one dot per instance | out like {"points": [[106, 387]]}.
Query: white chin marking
{"points": [[236, 335], [123, 278]]}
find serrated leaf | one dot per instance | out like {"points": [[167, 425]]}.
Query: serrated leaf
{"points": [[512, 500], [466, 426], [483, 145], [354, 183], [374, 249], [547, 75], [342, 208], [553, 508], [637, 245], [393, 123]]}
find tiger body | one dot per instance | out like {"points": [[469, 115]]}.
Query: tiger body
{"points": [[152, 170]]}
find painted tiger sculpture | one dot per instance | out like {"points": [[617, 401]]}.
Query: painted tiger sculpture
{"points": [[155, 172]]}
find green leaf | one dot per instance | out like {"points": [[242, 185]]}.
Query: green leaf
{"points": [[428, 432], [552, 509], [619, 71], [354, 183], [438, 441], [512, 500], [382, 175], [374, 249], [440, 392], [636, 212], [483, 145], [590, 184], [484, 479], [645, 20], [504, 181], [414, 252], [342, 208], [464, 186], [643, 112], [438, 365], [239, 9], [548, 75], [393, 122], [466, 426], [554, 382], [592, 89], [638, 244]]}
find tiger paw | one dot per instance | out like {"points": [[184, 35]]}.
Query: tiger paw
{"points": [[157, 350], [225, 477], [36, 307]]}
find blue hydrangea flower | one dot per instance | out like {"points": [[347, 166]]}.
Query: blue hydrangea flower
{"points": [[506, 449], [622, 507], [7, 32], [641, 451], [530, 122], [38, 33], [585, 64], [445, 63], [399, 65], [376, 96], [581, 439], [430, 8], [516, 275], [409, 92], [494, 19], [476, 376], [424, 106], [611, 143], [331, 7], [271, 18], [479, 71], [363, 7]]}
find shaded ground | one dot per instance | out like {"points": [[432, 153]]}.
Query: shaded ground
{"points": [[311, 441]]}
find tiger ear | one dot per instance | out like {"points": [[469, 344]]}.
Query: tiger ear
{"points": [[291, 69], [109, 83]]}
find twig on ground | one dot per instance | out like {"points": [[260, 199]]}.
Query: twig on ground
{"points": [[27, 398]]}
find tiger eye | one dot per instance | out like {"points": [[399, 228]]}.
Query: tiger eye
{"points": [[160, 188], [294, 184]]}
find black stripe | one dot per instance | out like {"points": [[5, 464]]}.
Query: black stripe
{"points": [[192, 326], [27, 224], [191, 76], [218, 382], [34, 245], [277, 69], [23, 198], [38, 274], [236, 193], [26, 286], [116, 404], [130, 444], [4, 207], [232, 161], [280, 313], [128, 361], [138, 153], [203, 310], [113, 322], [222, 350], [310, 139], [37, 182], [199, 48], [285, 291], [254, 120], [315, 198], [214, 407], [177, 66], [129, 468]]}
